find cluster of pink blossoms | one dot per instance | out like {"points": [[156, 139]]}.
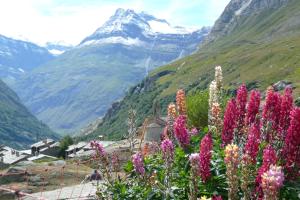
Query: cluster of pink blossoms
{"points": [[252, 145], [291, 149], [285, 109], [229, 122], [205, 156], [253, 107], [241, 101], [181, 131], [269, 158], [272, 181], [99, 148], [271, 114], [194, 159], [138, 163], [167, 148]]}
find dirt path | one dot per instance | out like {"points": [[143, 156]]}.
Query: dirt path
{"points": [[85, 191]]}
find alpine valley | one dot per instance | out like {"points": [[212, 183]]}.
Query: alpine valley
{"points": [[78, 86], [256, 42]]}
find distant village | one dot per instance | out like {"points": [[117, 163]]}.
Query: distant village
{"points": [[49, 148], [44, 149]]}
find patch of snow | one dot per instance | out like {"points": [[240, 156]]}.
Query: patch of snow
{"points": [[115, 40], [163, 27], [56, 52], [243, 7]]}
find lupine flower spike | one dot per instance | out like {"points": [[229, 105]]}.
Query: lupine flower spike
{"points": [[272, 181], [232, 163], [205, 156], [181, 102]]}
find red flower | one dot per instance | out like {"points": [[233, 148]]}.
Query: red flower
{"points": [[229, 122], [252, 145], [291, 149], [205, 156], [253, 107], [181, 131], [285, 109], [271, 114], [241, 101]]}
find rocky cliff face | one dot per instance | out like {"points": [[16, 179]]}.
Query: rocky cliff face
{"points": [[237, 9]]}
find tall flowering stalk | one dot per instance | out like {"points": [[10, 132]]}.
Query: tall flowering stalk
{"points": [[291, 149], [229, 123], [181, 102], [167, 149], [104, 163], [272, 181], [212, 94], [232, 163], [215, 90], [216, 121], [181, 131], [249, 160], [271, 115], [285, 109], [172, 114], [218, 78], [194, 162], [269, 158], [138, 163], [253, 107], [205, 157], [241, 101]]}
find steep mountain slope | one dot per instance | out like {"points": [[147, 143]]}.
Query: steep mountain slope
{"points": [[256, 42], [18, 127], [79, 86], [19, 57]]}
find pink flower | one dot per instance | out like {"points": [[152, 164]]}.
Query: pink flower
{"points": [[230, 117], [167, 148], [205, 156], [181, 131], [241, 101], [253, 107], [194, 131], [99, 148], [138, 163], [252, 145], [271, 113], [285, 109], [194, 159], [272, 181], [291, 149], [269, 158]]}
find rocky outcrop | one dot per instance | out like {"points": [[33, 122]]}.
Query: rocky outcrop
{"points": [[229, 19]]}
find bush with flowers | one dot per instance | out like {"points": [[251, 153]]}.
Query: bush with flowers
{"points": [[249, 150]]}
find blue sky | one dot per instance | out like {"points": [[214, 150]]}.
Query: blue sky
{"points": [[70, 21]]}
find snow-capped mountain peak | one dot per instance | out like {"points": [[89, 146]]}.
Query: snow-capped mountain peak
{"points": [[128, 26]]}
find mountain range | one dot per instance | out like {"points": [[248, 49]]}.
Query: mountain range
{"points": [[79, 85], [255, 41], [18, 57]]}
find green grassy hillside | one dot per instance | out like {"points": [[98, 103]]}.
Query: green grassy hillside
{"points": [[18, 127], [262, 48]]}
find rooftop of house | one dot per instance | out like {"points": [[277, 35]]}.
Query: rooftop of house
{"points": [[77, 146], [11, 156], [43, 143]]}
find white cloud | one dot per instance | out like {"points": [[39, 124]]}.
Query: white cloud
{"points": [[42, 21]]}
